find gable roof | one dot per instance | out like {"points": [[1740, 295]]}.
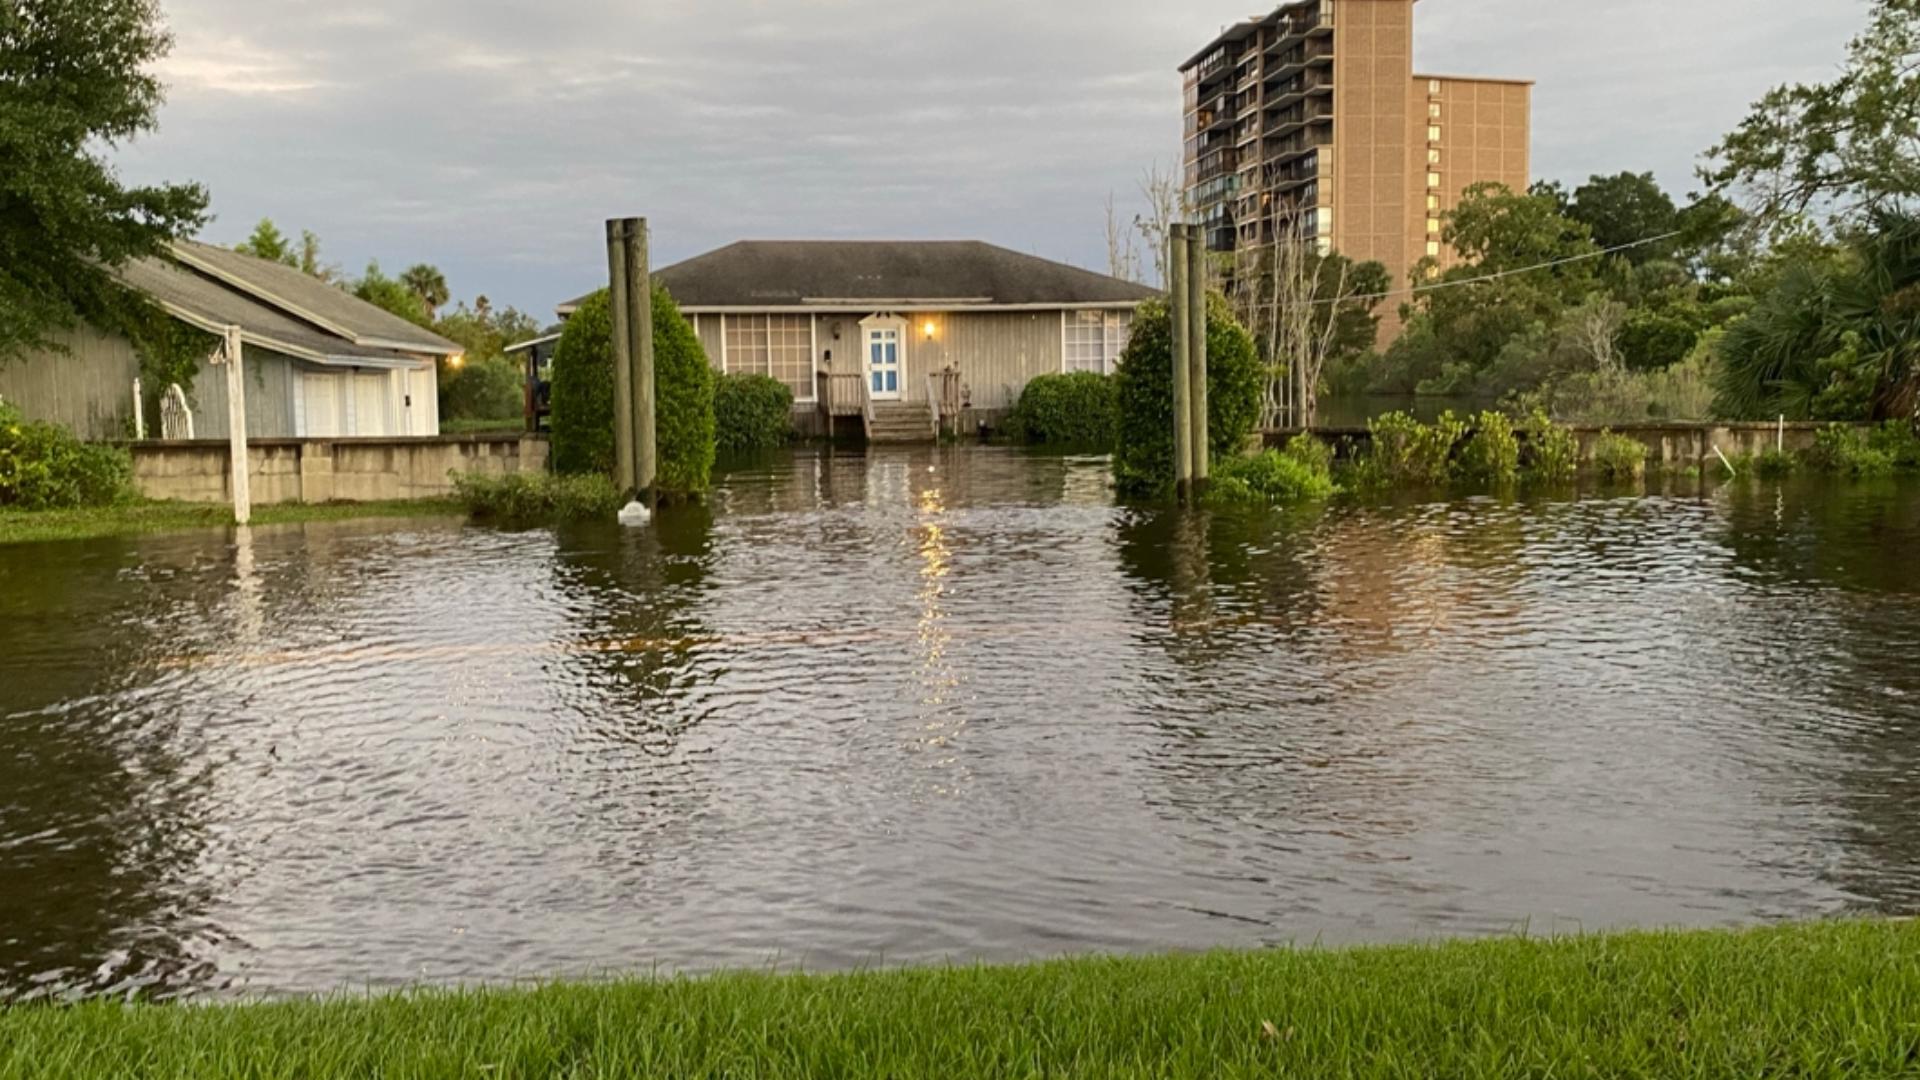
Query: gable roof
{"points": [[827, 275], [310, 300]]}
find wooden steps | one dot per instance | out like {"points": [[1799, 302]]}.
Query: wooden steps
{"points": [[901, 422]]}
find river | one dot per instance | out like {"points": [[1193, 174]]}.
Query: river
{"points": [[946, 704]]}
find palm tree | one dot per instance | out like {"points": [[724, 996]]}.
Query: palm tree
{"points": [[429, 284]]}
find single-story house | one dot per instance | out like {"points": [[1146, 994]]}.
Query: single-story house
{"points": [[319, 361], [887, 318]]}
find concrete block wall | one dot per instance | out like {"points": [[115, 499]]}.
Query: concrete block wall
{"points": [[331, 470]]}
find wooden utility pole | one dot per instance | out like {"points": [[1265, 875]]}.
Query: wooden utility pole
{"points": [[1180, 297], [646, 460], [623, 455], [237, 428], [1197, 354]]}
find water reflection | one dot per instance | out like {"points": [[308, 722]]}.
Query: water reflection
{"points": [[943, 703]]}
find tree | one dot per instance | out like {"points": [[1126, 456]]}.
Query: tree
{"points": [[308, 259], [73, 84], [1627, 208], [382, 291], [267, 242], [427, 283], [1834, 151]]}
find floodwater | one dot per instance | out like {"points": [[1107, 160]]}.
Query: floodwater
{"points": [[945, 704]]}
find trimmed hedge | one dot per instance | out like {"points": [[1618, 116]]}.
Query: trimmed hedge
{"points": [[751, 412], [1081, 408], [45, 467], [538, 497], [1143, 459], [683, 396]]}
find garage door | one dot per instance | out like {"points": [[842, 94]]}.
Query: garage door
{"points": [[373, 413], [323, 404]]}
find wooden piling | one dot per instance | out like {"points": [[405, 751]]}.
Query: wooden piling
{"points": [[1197, 354], [623, 449], [241, 481], [646, 469], [1179, 298]]}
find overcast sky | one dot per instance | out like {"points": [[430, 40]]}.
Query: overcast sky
{"points": [[493, 137]]}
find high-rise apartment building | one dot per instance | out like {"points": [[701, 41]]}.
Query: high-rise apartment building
{"points": [[1311, 123]]}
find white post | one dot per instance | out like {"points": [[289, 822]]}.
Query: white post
{"points": [[139, 417], [237, 428], [1780, 439]]}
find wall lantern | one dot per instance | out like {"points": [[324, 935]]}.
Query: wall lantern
{"points": [[929, 329]]}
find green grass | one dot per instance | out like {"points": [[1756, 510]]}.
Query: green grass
{"points": [[1828, 1000], [133, 519]]}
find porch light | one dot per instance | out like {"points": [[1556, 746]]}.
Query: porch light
{"points": [[456, 359], [929, 328]]}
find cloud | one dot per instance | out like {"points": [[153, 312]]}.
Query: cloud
{"points": [[492, 137]]}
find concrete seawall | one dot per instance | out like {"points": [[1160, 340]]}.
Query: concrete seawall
{"points": [[1669, 446], [330, 470]]}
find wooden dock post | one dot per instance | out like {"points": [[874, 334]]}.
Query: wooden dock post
{"points": [[232, 350], [1197, 355], [1179, 297], [623, 455], [646, 460]]}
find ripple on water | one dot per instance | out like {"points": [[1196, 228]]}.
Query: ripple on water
{"points": [[944, 703]]}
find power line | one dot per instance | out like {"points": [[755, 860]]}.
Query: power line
{"points": [[1516, 271]]}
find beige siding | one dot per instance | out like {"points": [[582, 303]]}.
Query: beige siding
{"points": [[996, 353], [269, 378], [88, 389], [1485, 136], [1373, 62]]}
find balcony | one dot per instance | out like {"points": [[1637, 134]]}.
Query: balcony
{"points": [[1294, 174], [1317, 23], [1299, 59], [1299, 88], [1287, 149], [1215, 165], [1302, 115]]}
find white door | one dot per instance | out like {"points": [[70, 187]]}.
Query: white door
{"points": [[325, 412], [417, 402], [884, 375], [372, 404]]}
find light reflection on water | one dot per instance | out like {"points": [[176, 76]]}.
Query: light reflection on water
{"points": [[945, 703]]}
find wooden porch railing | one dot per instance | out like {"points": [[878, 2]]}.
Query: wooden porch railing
{"points": [[845, 394], [945, 398]]}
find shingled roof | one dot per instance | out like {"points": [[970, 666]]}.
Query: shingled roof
{"points": [[278, 308], [862, 274], [312, 300]]}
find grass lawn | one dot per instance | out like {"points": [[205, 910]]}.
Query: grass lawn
{"points": [[1827, 1000], [22, 526]]}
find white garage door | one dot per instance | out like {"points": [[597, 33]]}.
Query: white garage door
{"points": [[323, 403], [373, 412]]}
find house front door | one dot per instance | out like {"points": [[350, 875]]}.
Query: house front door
{"points": [[885, 373]]}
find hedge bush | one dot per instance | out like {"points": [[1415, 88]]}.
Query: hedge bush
{"points": [[1492, 452], [683, 396], [539, 497], [44, 467], [1552, 452], [1143, 386], [1081, 408], [751, 412], [1405, 452], [1840, 448], [1300, 473]]}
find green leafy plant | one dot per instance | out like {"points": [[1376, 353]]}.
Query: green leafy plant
{"points": [[1492, 452], [1143, 457], [683, 397], [1552, 452], [1080, 408], [1406, 452], [751, 412], [483, 388], [1875, 451], [531, 498], [1273, 478], [44, 467], [1618, 457], [1773, 464]]}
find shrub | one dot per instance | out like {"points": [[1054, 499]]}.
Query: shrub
{"points": [[1311, 452], [1619, 457], [493, 388], [1552, 451], [1855, 451], [1143, 387], [1773, 464], [537, 497], [44, 467], [751, 412], [1274, 478], [1406, 452], [1492, 452], [683, 396], [1080, 408]]}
